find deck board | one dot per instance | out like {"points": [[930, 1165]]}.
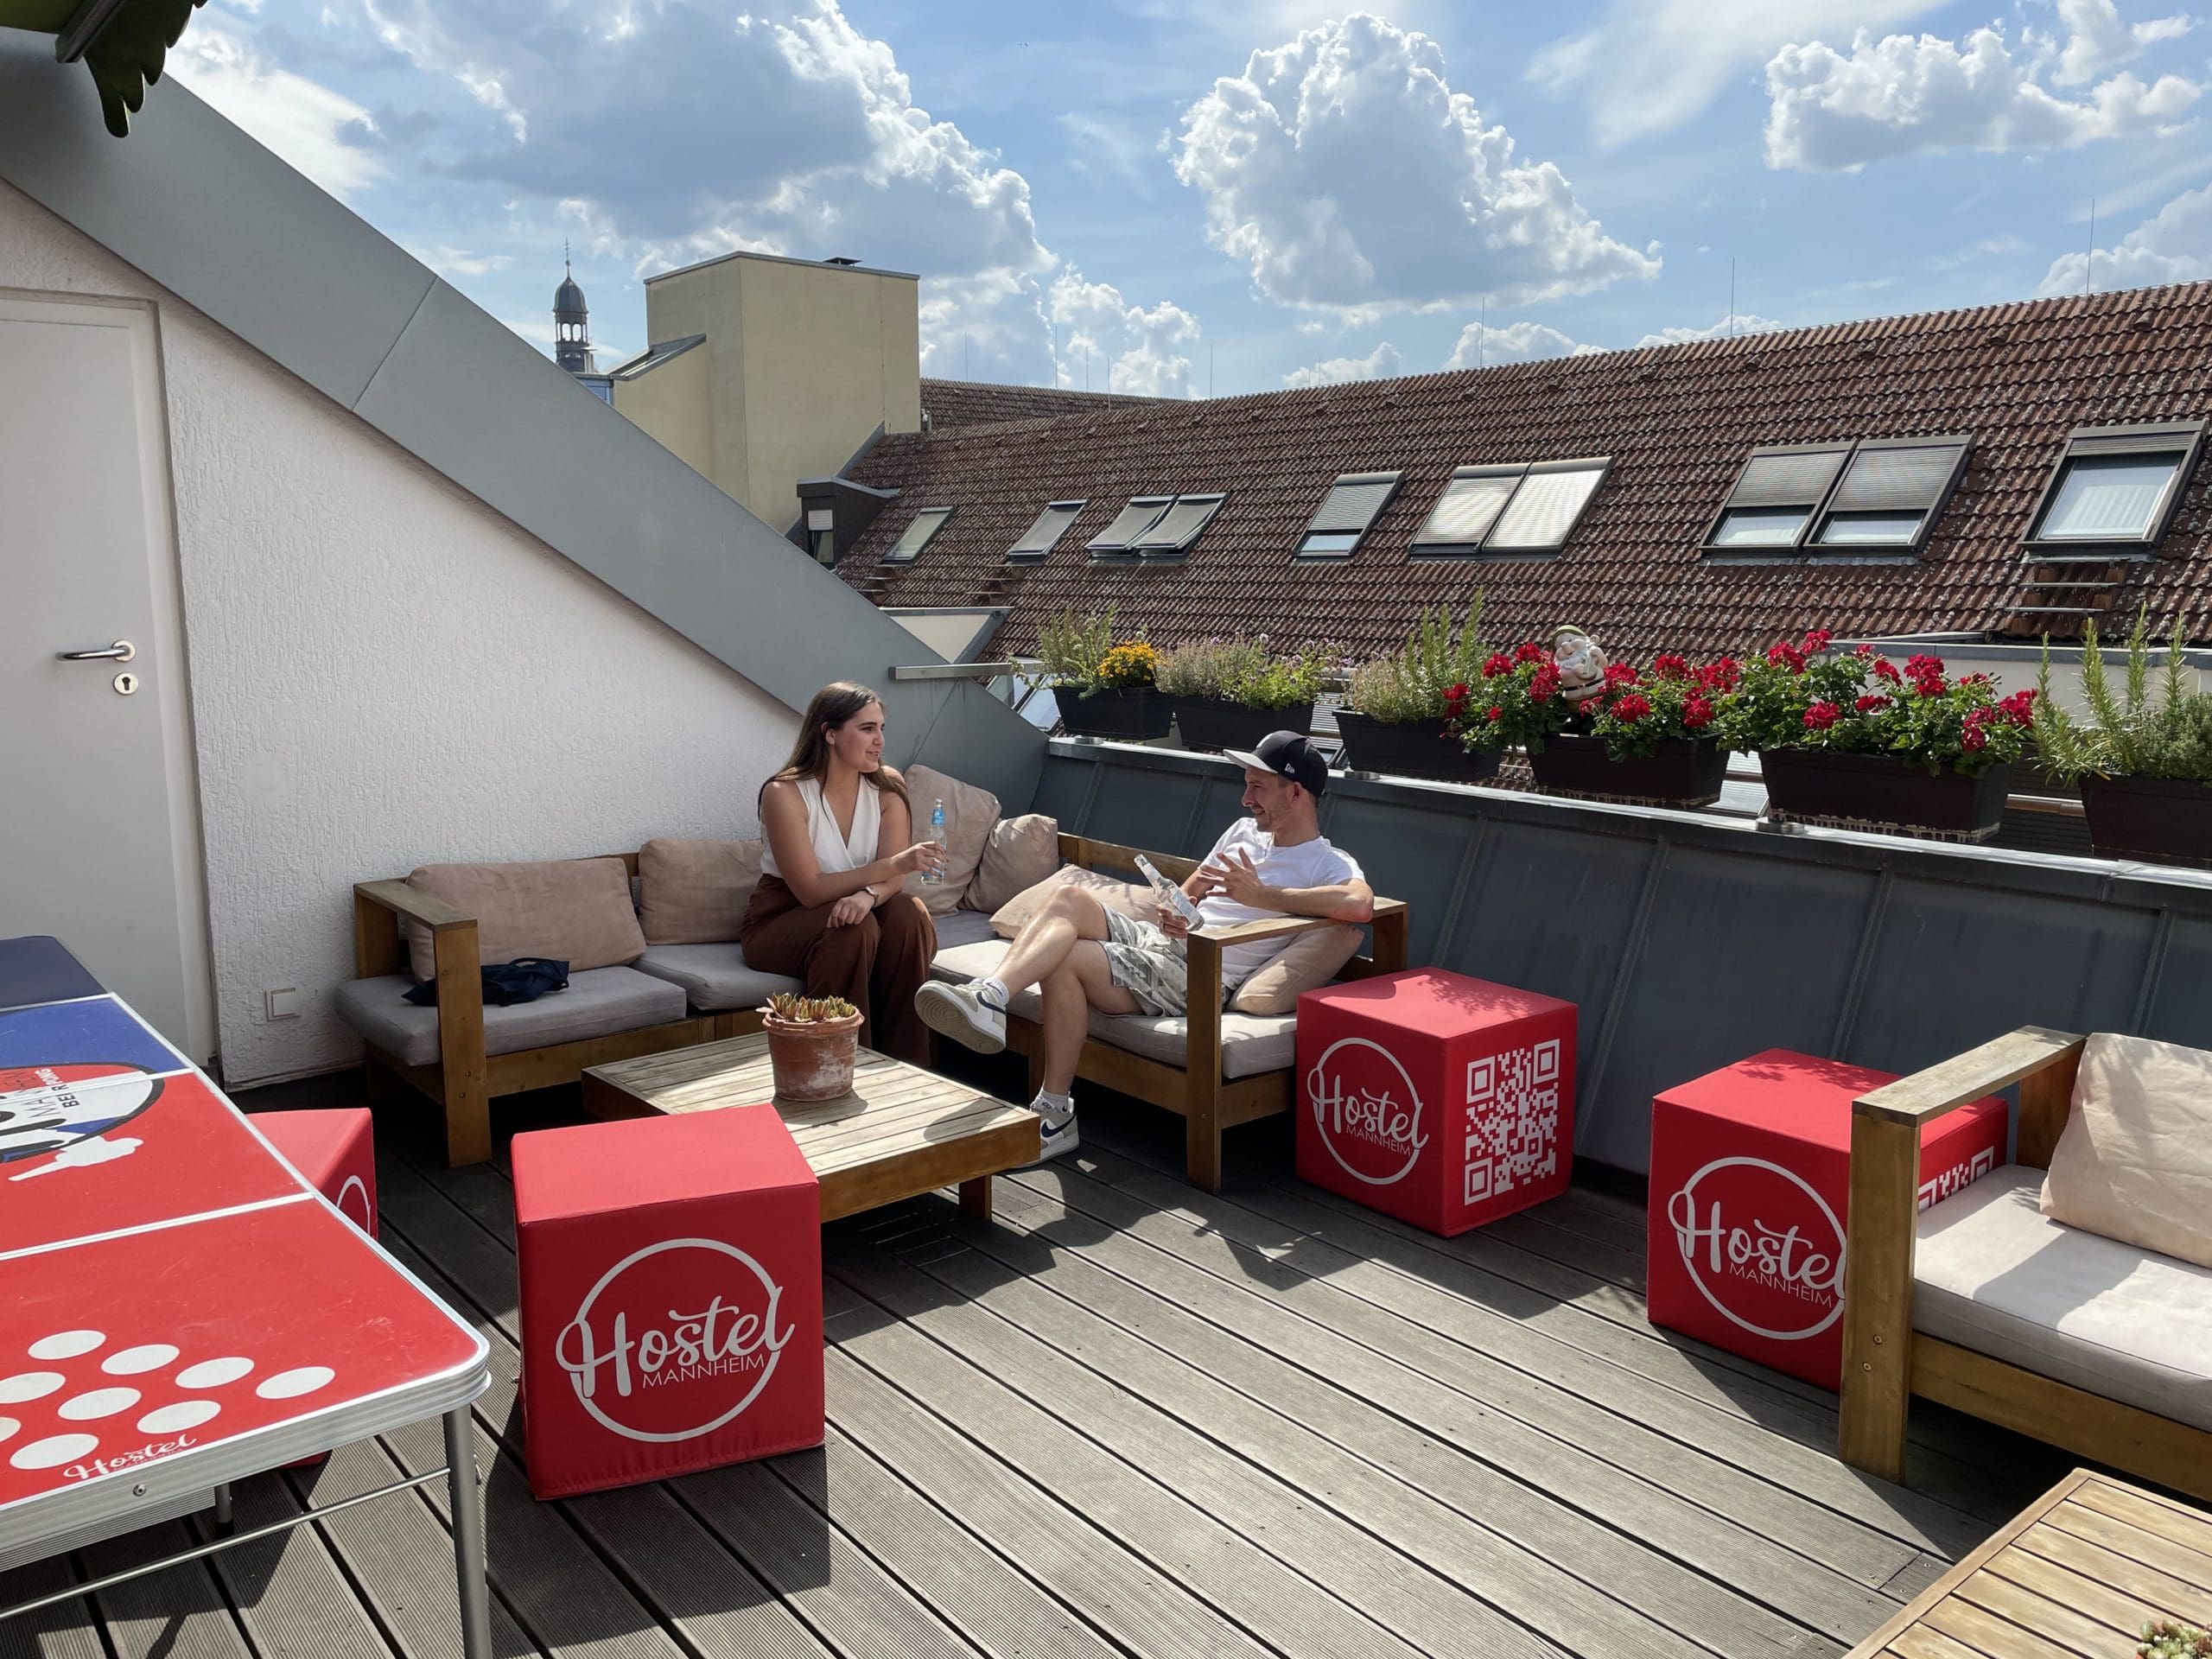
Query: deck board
{"points": [[1128, 1417]]}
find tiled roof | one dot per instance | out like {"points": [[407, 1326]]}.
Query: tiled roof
{"points": [[1678, 422], [954, 403]]}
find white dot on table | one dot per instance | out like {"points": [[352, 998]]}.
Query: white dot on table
{"points": [[28, 1385], [100, 1402], [286, 1385], [67, 1344], [213, 1373], [131, 1360], [8, 1428], [54, 1449], [185, 1413]]}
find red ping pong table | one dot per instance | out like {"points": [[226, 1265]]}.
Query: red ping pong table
{"points": [[178, 1308]]}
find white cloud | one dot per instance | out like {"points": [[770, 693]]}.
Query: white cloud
{"points": [[1743, 323], [314, 128], [1652, 64], [1142, 351], [1889, 97], [2097, 39], [1346, 172], [1380, 364], [1517, 342], [461, 262], [2175, 247]]}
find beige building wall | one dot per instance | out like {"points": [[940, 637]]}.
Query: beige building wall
{"points": [[802, 362]]}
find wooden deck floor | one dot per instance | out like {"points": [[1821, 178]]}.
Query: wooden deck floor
{"points": [[1129, 1418]]}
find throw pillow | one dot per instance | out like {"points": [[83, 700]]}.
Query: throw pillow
{"points": [[1308, 963], [969, 812], [576, 909], [2134, 1162], [1126, 896], [696, 892], [1020, 853]]}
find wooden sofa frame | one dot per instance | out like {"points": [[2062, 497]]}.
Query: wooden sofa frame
{"points": [[1885, 1363], [1208, 1103], [465, 1081]]}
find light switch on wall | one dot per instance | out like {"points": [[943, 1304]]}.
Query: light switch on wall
{"points": [[282, 1002]]}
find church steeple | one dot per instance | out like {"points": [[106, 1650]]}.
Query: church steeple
{"points": [[571, 323]]}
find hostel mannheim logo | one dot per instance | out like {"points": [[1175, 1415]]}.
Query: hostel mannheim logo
{"points": [[1368, 1111]]}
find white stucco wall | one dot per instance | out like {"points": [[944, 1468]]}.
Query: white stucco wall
{"points": [[386, 673]]}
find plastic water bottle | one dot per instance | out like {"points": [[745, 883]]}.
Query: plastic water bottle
{"points": [[937, 834]]}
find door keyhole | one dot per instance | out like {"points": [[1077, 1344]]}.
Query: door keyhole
{"points": [[126, 684]]}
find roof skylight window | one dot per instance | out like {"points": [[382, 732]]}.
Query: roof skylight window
{"points": [[1042, 536], [1511, 509], [1351, 507], [920, 529], [2116, 488], [1178, 527], [1891, 493], [1775, 498], [1141, 515]]}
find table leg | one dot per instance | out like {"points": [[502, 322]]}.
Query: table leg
{"points": [[467, 1507], [975, 1198], [225, 1526]]}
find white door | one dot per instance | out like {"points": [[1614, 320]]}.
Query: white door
{"points": [[99, 828]]}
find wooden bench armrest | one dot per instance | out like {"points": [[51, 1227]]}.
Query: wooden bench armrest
{"points": [[404, 901], [1949, 1085]]}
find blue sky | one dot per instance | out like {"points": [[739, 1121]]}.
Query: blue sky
{"points": [[1189, 196]]}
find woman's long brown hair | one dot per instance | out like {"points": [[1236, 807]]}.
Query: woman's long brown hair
{"points": [[834, 705]]}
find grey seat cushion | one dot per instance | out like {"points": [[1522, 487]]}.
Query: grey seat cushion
{"points": [[1994, 1273], [598, 1003], [1250, 1043], [962, 927], [714, 976]]}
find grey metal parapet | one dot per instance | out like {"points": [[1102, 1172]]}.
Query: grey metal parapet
{"points": [[1689, 941]]}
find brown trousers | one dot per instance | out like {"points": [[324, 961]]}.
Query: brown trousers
{"points": [[876, 964]]}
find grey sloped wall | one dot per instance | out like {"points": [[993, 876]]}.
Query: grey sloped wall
{"points": [[1688, 942]]}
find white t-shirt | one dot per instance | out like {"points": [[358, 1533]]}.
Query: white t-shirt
{"points": [[1312, 863]]}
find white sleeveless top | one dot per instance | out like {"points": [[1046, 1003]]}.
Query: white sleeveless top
{"points": [[832, 855]]}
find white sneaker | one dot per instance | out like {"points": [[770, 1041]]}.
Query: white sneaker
{"points": [[1056, 1132], [962, 1013]]}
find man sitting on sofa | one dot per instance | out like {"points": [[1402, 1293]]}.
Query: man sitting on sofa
{"points": [[1082, 955]]}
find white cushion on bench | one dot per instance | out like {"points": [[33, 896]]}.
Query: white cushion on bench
{"points": [[1250, 1043], [1993, 1273], [599, 1002], [714, 976]]}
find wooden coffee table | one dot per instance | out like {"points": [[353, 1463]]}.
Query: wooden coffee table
{"points": [[2080, 1572], [901, 1132]]}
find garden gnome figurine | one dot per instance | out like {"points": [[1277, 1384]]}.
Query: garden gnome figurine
{"points": [[1581, 662]]}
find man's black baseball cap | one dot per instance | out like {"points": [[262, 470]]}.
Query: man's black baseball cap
{"points": [[1287, 755]]}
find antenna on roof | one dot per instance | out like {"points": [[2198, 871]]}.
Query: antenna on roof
{"points": [[1731, 296], [2089, 267], [1209, 368], [1481, 333], [964, 374]]}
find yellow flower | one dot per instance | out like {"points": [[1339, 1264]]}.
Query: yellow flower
{"points": [[1127, 666]]}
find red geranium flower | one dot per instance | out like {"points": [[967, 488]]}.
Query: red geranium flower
{"points": [[1784, 655], [1821, 715], [1543, 685], [1496, 712], [1697, 712], [1457, 694], [1529, 651], [1498, 663], [1630, 706], [1620, 674], [1868, 705], [1816, 641], [1669, 666]]}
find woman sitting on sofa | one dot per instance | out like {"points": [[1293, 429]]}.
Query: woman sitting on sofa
{"points": [[832, 908]]}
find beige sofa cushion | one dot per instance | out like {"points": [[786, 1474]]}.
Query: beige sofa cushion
{"points": [[1128, 898], [969, 812], [576, 909], [2135, 1160], [695, 891], [1308, 963], [1993, 1273], [1020, 853]]}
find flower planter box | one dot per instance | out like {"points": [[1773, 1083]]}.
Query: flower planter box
{"points": [[1410, 749], [1883, 792], [2164, 820], [1681, 772], [1138, 714], [1217, 723]]}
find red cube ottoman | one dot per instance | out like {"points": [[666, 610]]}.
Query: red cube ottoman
{"points": [[1750, 1189], [1444, 1101], [335, 1151], [671, 1296]]}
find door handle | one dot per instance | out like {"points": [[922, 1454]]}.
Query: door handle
{"points": [[121, 651]]}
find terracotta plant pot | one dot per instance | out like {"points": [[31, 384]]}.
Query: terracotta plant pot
{"points": [[1681, 772], [1410, 749], [1883, 792], [813, 1060], [1136, 715], [1217, 723], [2164, 820]]}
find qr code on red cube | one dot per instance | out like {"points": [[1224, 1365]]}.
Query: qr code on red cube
{"points": [[1512, 1121]]}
